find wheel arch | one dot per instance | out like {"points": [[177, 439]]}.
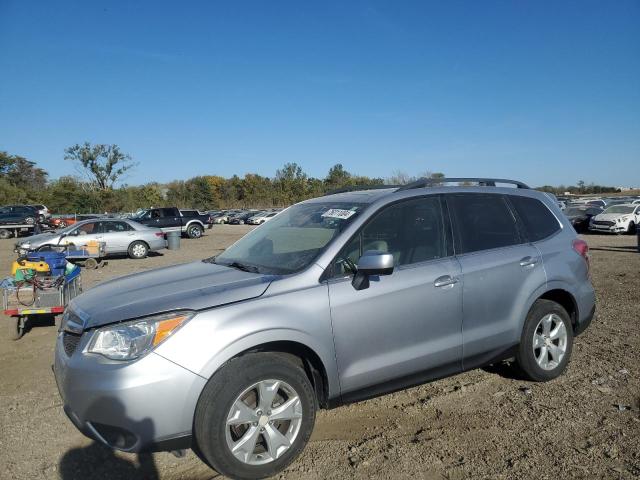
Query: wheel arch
{"points": [[305, 357], [565, 299]]}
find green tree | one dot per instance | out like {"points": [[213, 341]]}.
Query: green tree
{"points": [[102, 164]]}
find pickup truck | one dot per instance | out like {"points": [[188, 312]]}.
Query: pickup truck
{"points": [[171, 219]]}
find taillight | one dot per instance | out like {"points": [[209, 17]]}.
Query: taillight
{"points": [[159, 234], [582, 248]]}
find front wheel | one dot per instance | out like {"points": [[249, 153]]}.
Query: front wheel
{"points": [[546, 342], [255, 416], [632, 228], [138, 250]]}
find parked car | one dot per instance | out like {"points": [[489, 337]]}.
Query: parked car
{"points": [[18, 215], [233, 355], [219, 217], [580, 216], [120, 237], [261, 218], [241, 218], [617, 219], [43, 211], [170, 219]]}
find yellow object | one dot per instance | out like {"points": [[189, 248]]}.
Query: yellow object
{"points": [[166, 327], [93, 247], [26, 265]]}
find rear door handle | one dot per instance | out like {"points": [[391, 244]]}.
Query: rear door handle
{"points": [[445, 281], [528, 261]]}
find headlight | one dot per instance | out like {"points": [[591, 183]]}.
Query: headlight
{"points": [[131, 340], [623, 219]]}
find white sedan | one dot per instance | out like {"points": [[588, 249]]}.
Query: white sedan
{"points": [[617, 219], [261, 217]]}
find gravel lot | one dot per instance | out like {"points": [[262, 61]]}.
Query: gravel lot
{"points": [[481, 424]]}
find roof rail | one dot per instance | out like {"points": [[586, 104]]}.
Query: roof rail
{"points": [[483, 182], [356, 188]]}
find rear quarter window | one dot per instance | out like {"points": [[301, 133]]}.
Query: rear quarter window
{"points": [[537, 219]]}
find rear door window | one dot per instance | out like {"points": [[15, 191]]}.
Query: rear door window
{"points": [[537, 219], [483, 221]]}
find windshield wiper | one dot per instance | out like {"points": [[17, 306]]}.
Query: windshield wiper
{"points": [[242, 266]]}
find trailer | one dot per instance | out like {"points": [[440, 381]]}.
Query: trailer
{"points": [[10, 230], [42, 297]]}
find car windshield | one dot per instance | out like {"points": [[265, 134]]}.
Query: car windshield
{"points": [[574, 211], [622, 209], [619, 209], [292, 240]]}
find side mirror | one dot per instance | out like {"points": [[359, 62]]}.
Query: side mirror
{"points": [[372, 262]]}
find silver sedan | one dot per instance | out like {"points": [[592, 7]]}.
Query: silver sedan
{"points": [[120, 236]]}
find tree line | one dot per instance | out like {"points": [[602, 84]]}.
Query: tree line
{"points": [[101, 167]]}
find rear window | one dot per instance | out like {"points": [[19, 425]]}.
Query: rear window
{"points": [[483, 222], [189, 213], [538, 220]]}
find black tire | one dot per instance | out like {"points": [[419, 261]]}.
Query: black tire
{"points": [[90, 264], [526, 355], [138, 250], [22, 327], [220, 393], [632, 228], [5, 234], [194, 231]]}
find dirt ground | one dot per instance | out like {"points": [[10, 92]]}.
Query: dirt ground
{"points": [[482, 424]]}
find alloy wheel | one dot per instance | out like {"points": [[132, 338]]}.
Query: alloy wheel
{"points": [[549, 341], [263, 422]]}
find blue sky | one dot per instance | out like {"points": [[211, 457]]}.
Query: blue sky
{"points": [[544, 91]]}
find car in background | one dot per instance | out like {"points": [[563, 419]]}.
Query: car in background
{"points": [[65, 220], [581, 215], [261, 218], [43, 211], [171, 219], [241, 218], [119, 235], [18, 215], [219, 217], [617, 219]]}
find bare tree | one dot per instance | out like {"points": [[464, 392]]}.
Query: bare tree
{"points": [[103, 165]]}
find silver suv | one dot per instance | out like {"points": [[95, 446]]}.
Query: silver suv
{"points": [[335, 300]]}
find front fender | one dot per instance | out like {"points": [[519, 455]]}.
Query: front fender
{"points": [[214, 336]]}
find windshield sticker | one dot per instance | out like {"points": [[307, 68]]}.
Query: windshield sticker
{"points": [[338, 213]]}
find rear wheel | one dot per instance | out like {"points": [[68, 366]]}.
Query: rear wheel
{"points": [[194, 231], [546, 342], [30, 220], [22, 326], [4, 234], [138, 249], [254, 416]]}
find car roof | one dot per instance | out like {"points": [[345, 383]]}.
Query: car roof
{"points": [[396, 193]]}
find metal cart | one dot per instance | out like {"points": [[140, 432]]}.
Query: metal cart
{"points": [[45, 296], [91, 257]]}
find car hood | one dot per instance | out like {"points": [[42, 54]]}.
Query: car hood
{"points": [[191, 286], [610, 216], [39, 239]]}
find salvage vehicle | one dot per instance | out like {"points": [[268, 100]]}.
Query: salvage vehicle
{"points": [[170, 219], [580, 216], [617, 219], [120, 236], [336, 299]]}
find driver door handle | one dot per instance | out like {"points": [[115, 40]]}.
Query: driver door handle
{"points": [[445, 281], [528, 261]]}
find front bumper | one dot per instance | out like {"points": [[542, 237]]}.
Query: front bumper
{"points": [[617, 228], [146, 405]]}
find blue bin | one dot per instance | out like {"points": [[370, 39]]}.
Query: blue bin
{"points": [[56, 261]]}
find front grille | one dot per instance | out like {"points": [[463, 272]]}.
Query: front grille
{"points": [[606, 223], [70, 342]]}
